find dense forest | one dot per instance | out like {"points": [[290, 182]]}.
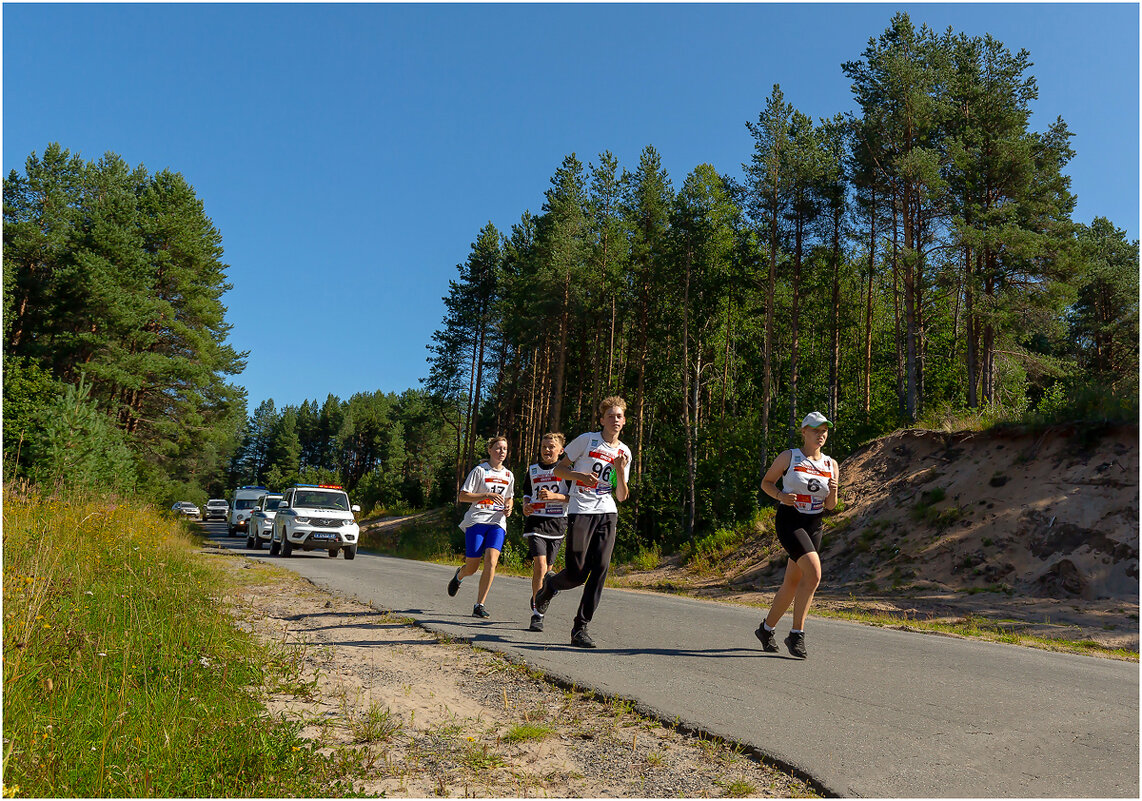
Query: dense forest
{"points": [[912, 262]]}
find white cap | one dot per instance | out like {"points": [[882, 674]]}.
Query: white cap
{"points": [[815, 420]]}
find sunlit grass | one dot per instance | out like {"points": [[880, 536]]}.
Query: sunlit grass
{"points": [[979, 628], [122, 674], [528, 731]]}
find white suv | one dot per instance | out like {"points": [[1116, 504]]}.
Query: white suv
{"points": [[312, 517], [217, 507], [245, 499], [261, 524]]}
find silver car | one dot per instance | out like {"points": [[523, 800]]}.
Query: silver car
{"points": [[217, 507], [261, 527], [186, 509]]}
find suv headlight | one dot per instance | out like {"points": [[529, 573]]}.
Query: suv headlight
{"points": [[349, 523], [303, 520]]}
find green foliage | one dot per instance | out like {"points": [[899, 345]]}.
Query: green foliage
{"points": [[79, 447], [528, 732], [647, 558], [116, 273], [29, 390], [375, 724], [122, 675], [388, 450]]}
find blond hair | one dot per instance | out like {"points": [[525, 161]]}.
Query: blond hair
{"points": [[610, 402], [498, 438], [555, 435]]}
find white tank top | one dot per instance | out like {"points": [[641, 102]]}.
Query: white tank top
{"points": [[809, 481]]}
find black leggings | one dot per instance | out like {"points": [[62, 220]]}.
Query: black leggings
{"points": [[798, 532]]}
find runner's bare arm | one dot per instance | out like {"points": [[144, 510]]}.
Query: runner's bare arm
{"points": [[834, 487], [622, 491], [563, 470], [776, 471], [476, 497]]}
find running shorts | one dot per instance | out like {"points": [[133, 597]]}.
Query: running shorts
{"points": [[546, 547], [798, 532], [480, 536]]}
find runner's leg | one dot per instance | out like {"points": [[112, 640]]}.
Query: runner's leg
{"points": [[538, 571], [810, 565], [575, 568], [599, 564], [470, 566], [491, 558], [785, 595]]}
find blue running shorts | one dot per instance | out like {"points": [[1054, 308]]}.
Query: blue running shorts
{"points": [[480, 536]]}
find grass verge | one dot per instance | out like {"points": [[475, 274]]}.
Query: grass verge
{"points": [[980, 628], [123, 677]]}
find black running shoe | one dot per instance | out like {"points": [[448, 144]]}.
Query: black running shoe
{"points": [[768, 639], [545, 594], [454, 584], [581, 639], [479, 611], [536, 623], [795, 642]]}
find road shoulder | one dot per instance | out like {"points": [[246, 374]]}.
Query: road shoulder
{"points": [[422, 716]]}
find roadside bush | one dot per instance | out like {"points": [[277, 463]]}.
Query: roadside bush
{"points": [[71, 444]]}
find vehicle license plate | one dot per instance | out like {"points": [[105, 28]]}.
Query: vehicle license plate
{"points": [[322, 535]]}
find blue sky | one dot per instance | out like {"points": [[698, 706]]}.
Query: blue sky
{"points": [[349, 154]]}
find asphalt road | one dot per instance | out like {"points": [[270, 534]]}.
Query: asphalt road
{"points": [[871, 712]]}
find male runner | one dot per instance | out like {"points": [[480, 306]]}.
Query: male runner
{"points": [[599, 465], [545, 505]]}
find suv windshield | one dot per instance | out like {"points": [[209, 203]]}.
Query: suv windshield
{"points": [[270, 502], [316, 499], [216, 503]]}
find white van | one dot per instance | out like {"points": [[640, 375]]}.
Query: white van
{"points": [[241, 504]]}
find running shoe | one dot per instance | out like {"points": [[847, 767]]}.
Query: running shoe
{"points": [[479, 611], [536, 623], [795, 642], [454, 584], [581, 639], [545, 594], [768, 639]]}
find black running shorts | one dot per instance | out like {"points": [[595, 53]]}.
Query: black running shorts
{"points": [[542, 546], [798, 532], [551, 531]]}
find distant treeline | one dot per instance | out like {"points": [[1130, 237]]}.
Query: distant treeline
{"points": [[115, 352], [914, 261], [388, 450]]}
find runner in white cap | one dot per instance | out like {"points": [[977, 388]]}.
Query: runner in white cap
{"points": [[809, 481]]}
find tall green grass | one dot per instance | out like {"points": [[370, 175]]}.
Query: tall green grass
{"points": [[122, 675], [704, 555]]}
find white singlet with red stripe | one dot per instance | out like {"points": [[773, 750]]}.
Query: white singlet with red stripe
{"points": [[484, 479], [810, 481], [588, 453]]}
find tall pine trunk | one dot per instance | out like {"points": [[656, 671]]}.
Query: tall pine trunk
{"points": [[835, 361], [691, 500], [868, 313], [795, 330], [561, 358]]}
